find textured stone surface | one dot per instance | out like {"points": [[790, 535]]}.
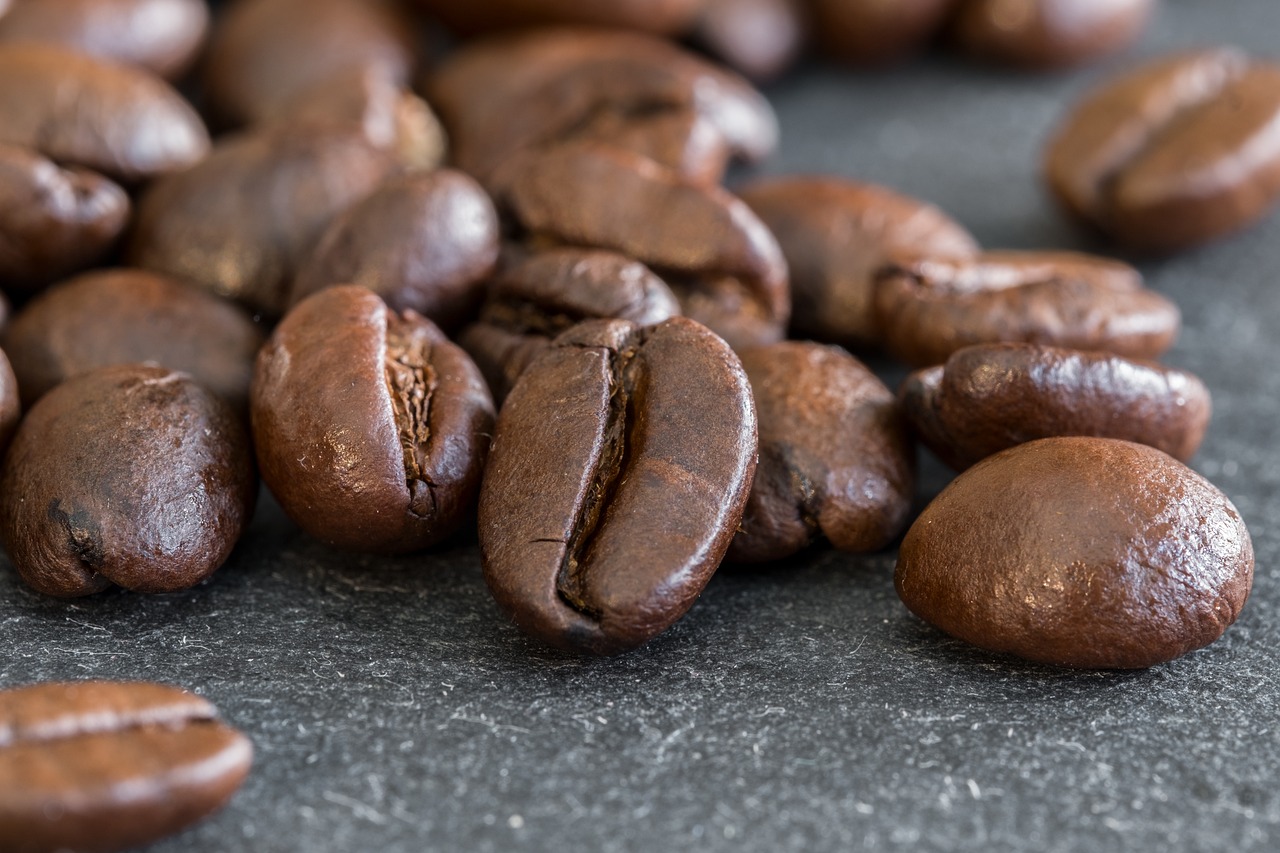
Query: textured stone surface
{"points": [[800, 707]]}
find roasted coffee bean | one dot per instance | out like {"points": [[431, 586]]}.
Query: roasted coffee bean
{"points": [[760, 38], [931, 308], [875, 32], [988, 398], [1048, 33], [371, 428], [666, 17], [543, 296], [10, 408], [836, 234], [264, 52], [624, 89], [162, 36], [131, 475], [102, 767], [620, 468], [243, 221], [1179, 152], [77, 110], [53, 221], [835, 460], [1083, 552], [707, 245], [423, 242], [132, 316]]}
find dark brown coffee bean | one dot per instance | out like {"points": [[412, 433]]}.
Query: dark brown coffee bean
{"points": [[132, 316], [371, 428], [423, 242], [875, 32], [1048, 33], [102, 767], [836, 234], [666, 17], [991, 397], [131, 475], [263, 52], [835, 460], [243, 221], [10, 408], [620, 467], [53, 221], [707, 245], [929, 309], [77, 110], [632, 91], [760, 38], [1176, 153], [1084, 552], [543, 296], [162, 36]]}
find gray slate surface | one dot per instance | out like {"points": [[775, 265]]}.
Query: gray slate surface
{"points": [[799, 707]]}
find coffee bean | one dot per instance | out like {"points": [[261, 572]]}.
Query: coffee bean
{"points": [[546, 294], [717, 256], [10, 407], [130, 316], [620, 467], [1084, 552], [1048, 33], [53, 221], [423, 242], [931, 308], [873, 32], [101, 767], [760, 38], [666, 17], [77, 110], [835, 460], [836, 234], [988, 398], [162, 36], [371, 428], [1176, 153], [131, 475], [504, 95]]}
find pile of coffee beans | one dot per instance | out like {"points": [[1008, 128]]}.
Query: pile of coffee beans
{"points": [[503, 290]]}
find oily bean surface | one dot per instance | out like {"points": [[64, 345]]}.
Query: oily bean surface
{"points": [[100, 767], [10, 404], [621, 464], [873, 32], [665, 17], [759, 38], [1048, 33], [1082, 552]]}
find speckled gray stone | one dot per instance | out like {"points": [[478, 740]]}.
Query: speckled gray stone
{"points": [[796, 708]]}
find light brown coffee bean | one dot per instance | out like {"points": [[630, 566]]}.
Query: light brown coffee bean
{"points": [[665, 17], [760, 38], [1041, 34]]}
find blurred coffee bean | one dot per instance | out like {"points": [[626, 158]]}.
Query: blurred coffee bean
{"points": [[877, 32], [835, 460], [533, 302], [422, 242], [665, 17], [371, 428], [162, 36], [836, 234], [53, 221], [77, 110], [128, 316], [10, 407], [931, 308], [1048, 33], [760, 38]]}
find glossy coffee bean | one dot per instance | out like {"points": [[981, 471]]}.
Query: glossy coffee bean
{"points": [[1083, 552], [10, 407], [875, 32], [132, 316], [371, 428], [620, 468], [836, 234], [162, 36], [719, 258], [759, 38], [665, 17], [931, 308], [624, 89], [77, 110], [243, 221], [835, 460], [264, 52], [1176, 153], [53, 221], [1042, 34], [991, 397], [424, 242], [102, 767], [547, 293], [131, 475]]}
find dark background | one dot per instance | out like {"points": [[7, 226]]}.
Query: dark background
{"points": [[796, 707]]}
